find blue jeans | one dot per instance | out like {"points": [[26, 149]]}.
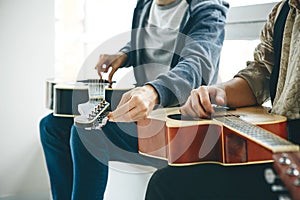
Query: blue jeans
{"points": [[77, 159]]}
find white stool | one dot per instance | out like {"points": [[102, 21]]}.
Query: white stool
{"points": [[127, 181]]}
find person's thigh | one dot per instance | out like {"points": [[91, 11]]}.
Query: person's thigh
{"points": [[56, 128], [55, 139], [210, 181], [116, 142]]}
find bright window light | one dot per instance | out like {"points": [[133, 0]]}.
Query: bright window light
{"points": [[83, 25]]}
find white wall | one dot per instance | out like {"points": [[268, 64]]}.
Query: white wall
{"points": [[26, 60], [243, 25]]}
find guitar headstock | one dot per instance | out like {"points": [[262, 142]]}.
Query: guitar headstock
{"points": [[92, 115], [287, 167]]}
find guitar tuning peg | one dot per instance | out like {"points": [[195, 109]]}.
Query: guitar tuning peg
{"points": [[284, 197], [276, 184], [270, 176], [293, 171], [284, 159], [278, 188], [297, 182]]}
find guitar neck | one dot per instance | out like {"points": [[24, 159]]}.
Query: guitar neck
{"points": [[257, 134]]}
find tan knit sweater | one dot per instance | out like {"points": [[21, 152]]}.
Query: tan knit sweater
{"points": [[257, 72]]}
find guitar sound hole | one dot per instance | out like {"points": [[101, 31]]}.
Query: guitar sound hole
{"points": [[182, 117], [187, 118]]}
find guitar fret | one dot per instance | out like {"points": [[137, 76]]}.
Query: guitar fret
{"points": [[258, 134]]}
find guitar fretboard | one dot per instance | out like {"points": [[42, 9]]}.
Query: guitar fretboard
{"points": [[259, 135]]}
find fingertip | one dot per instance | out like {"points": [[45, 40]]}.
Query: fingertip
{"points": [[220, 100]]}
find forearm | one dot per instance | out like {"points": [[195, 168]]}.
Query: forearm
{"points": [[126, 50], [197, 55], [238, 93]]}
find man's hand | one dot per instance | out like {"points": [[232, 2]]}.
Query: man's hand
{"points": [[233, 93], [113, 61], [135, 104], [199, 103]]}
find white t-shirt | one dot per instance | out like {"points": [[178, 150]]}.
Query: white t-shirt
{"points": [[159, 39]]}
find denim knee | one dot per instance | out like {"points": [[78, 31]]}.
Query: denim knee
{"points": [[94, 142], [44, 127], [55, 128]]}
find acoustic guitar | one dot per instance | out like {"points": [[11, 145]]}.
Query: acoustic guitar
{"points": [[243, 136]]}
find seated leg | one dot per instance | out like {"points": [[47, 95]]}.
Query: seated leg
{"points": [[55, 139]]}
